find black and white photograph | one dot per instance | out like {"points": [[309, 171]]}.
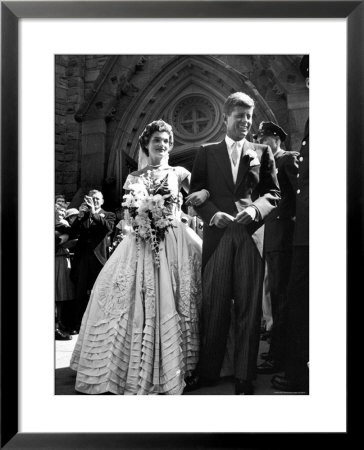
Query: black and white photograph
{"points": [[164, 232], [182, 224]]}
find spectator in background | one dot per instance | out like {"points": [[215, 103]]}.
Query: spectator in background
{"points": [[64, 289], [60, 200], [68, 308], [92, 227], [296, 376], [267, 319], [278, 235]]}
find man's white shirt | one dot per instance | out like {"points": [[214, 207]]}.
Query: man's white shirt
{"points": [[234, 169], [239, 147]]}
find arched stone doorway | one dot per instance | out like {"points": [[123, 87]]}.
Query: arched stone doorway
{"points": [[188, 92], [117, 95]]}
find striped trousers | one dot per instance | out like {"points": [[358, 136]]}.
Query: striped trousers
{"points": [[234, 271]]}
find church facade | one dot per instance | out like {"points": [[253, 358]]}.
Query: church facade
{"points": [[103, 103]]}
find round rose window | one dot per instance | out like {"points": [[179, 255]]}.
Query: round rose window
{"points": [[194, 117]]}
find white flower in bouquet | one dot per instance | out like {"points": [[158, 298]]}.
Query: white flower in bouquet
{"points": [[142, 207], [157, 213], [128, 201], [156, 201], [138, 188], [141, 220], [148, 210], [143, 232], [162, 222]]}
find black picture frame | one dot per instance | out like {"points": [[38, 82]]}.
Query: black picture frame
{"points": [[11, 12]]}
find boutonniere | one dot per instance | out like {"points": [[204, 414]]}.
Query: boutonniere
{"points": [[102, 215], [254, 161]]}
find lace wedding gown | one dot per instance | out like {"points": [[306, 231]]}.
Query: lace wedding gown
{"points": [[139, 334]]}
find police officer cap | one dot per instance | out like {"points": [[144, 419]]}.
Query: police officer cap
{"points": [[304, 66], [271, 129]]}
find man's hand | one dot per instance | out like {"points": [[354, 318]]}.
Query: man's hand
{"points": [[90, 203], [82, 210], [197, 198], [246, 216], [222, 220], [63, 238]]}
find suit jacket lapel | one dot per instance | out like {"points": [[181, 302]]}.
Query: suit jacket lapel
{"points": [[244, 163], [222, 157]]}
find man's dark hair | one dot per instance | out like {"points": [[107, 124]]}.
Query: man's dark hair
{"points": [[237, 99]]}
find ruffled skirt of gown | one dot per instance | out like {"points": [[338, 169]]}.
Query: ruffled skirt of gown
{"points": [[139, 334]]}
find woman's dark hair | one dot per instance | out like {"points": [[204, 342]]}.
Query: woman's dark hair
{"points": [[157, 125]]}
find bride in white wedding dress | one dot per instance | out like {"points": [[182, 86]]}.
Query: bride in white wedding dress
{"points": [[140, 331]]}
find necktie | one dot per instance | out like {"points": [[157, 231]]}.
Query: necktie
{"points": [[234, 153]]}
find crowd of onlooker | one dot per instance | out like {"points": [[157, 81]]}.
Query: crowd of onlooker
{"points": [[64, 287]]}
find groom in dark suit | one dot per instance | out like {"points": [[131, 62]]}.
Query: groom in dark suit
{"points": [[241, 179]]}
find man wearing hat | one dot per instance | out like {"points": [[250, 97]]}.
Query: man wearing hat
{"points": [[296, 377], [278, 236]]}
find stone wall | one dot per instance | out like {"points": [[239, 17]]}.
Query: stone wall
{"points": [[74, 79]]}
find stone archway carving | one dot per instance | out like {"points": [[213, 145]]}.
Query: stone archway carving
{"points": [[199, 82]]}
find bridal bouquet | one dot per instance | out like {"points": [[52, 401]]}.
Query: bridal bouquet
{"points": [[148, 209]]}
